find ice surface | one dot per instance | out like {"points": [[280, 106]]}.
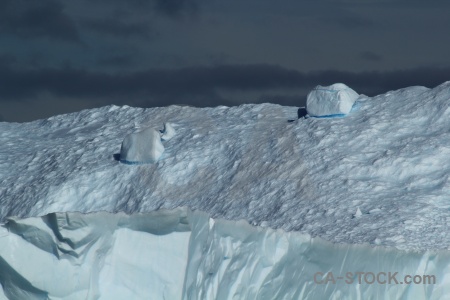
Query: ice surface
{"points": [[143, 146], [168, 132], [181, 254], [389, 158], [336, 99]]}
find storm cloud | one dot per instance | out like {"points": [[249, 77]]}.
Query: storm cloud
{"points": [[178, 85], [47, 18]]}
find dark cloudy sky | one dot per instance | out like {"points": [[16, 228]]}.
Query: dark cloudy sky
{"points": [[63, 56]]}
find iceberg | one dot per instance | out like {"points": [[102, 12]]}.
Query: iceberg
{"points": [[279, 210], [141, 147], [183, 254], [327, 101]]}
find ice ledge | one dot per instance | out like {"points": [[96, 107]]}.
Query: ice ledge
{"points": [[179, 254]]}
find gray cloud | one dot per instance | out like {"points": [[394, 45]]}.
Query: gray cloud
{"points": [[370, 56], [7, 59], [26, 18], [175, 7], [200, 82], [52, 19], [171, 8], [118, 28], [187, 81], [351, 21], [116, 61]]}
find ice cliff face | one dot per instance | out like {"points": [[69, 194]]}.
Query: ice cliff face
{"points": [[180, 254]]}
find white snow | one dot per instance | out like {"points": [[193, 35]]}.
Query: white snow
{"points": [[180, 254], [336, 99], [388, 158], [143, 146]]}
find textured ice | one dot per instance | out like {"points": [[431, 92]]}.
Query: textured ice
{"points": [[180, 254], [143, 146], [389, 158], [336, 99], [168, 132]]}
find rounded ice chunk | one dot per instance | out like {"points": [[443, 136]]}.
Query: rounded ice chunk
{"points": [[336, 99], [141, 147], [168, 132]]}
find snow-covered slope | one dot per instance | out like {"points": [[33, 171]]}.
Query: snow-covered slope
{"points": [[183, 255], [388, 157]]}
